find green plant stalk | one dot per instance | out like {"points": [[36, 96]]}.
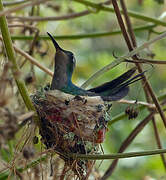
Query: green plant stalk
{"points": [[116, 155], [10, 3], [130, 13], [22, 6], [82, 36], [4, 175], [11, 57], [121, 59], [123, 115]]}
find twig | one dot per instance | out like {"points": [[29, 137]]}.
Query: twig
{"points": [[158, 140], [131, 13], [32, 164], [144, 80], [24, 26], [127, 142], [130, 47], [51, 18], [128, 22], [117, 155], [14, 9], [122, 59], [32, 60], [11, 57], [81, 36], [141, 60], [11, 3], [125, 35], [124, 101], [25, 116], [121, 116]]}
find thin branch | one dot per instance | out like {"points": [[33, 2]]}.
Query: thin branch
{"points": [[141, 60], [128, 22], [11, 57], [124, 101], [131, 13], [81, 36], [130, 47], [22, 6], [117, 155], [32, 60], [122, 59], [127, 142], [128, 42], [4, 175], [11, 3], [157, 137], [24, 26], [121, 116], [51, 18]]}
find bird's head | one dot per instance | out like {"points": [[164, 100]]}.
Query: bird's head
{"points": [[63, 68], [63, 59]]}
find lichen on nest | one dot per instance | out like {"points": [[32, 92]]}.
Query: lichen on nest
{"points": [[71, 124]]}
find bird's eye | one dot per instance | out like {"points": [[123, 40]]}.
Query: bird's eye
{"points": [[73, 58]]}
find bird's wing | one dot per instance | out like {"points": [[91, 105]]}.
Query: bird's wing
{"points": [[114, 83], [117, 88], [117, 96]]}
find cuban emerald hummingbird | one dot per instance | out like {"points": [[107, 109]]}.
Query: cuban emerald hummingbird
{"points": [[109, 91]]}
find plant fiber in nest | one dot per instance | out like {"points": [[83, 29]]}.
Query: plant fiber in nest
{"points": [[71, 124]]}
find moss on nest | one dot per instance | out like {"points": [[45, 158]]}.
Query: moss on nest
{"points": [[71, 124]]}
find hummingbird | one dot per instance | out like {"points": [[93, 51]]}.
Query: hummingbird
{"points": [[63, 69]]}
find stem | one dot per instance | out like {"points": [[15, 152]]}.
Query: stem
{"points": [[130, 13], [50, 18], [6, 3], [126, 143], [117, 155], [11, 57], [121, 59], [14, 9], [4, 175], [33, 61], [158, 141], [81, 36], [123, 115]]}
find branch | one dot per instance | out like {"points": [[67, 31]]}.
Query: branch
{"points": [[141, 60], [117, 155], [122, 59], [130, 13], [127, 142], [81, 36], [22, 6], [121, 116], [32, 60], [11, 57], [11, 3], [124, 101], [158, 141], [4, 175], [51, 18]]}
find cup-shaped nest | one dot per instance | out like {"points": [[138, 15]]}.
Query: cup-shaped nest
{"points": [[71, 124]]}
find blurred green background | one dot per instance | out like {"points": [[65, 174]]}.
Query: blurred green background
{"points": [[92, 54]]}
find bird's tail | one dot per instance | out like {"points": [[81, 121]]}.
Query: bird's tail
{"points": [[119, 87], [114, 83]]}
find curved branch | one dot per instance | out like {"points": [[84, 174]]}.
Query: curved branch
{"points": [[51, 18]]}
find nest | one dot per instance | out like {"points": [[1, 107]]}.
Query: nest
{"points": [[71, 124]]}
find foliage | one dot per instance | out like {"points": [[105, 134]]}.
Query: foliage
{"points": [[91, 30]]}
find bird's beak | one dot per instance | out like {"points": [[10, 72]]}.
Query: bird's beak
{"points": [[56, 45]]}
